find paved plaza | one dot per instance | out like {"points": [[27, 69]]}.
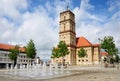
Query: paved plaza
{"points": [[81, 74]]}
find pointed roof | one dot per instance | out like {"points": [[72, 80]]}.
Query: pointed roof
{"points": [[82, 42]]}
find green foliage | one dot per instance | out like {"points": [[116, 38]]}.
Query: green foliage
{"points": [[117, 58], [55, 53], [105, 59], [109, 46], [81, 53], [60, 51], [30, 49], [63, 50], [14, 52]]}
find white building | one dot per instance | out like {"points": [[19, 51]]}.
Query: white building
{"points": [[4, 59]]}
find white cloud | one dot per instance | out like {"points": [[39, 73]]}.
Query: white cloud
{"points": [[37, 25], [85, 5], [82, 14], [6, 29], [42, 25], [10, 16], [113, 5], [87, 24], [93, 26], [12, 8]]}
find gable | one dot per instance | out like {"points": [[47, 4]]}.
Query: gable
{"points": [[82, 42]]}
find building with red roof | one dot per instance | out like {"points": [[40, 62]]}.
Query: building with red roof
{"points": [[103, 55], [92, 50], [7, 47], [82, 42], [4, 59], [67, 34]]}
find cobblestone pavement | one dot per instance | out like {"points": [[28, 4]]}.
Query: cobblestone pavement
{"points": [[86, 74]]}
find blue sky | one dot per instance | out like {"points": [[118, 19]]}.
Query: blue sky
{"points": [[21, 20]]}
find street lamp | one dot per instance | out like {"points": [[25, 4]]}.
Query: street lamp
{"points": [[100, 51]]}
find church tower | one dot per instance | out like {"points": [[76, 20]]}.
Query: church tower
{"points": [[67, 33]]}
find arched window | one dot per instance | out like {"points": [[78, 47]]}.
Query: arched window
{"points": [[64, 17], [64, 27]]}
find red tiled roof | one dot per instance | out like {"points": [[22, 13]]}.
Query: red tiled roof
{"points": [[104, 54], [96, 45], [82, 42], [8, 47]]}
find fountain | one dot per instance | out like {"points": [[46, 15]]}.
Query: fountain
{"points": [[36, 71]]}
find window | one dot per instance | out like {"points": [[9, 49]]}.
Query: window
{"points": [[21, 56], [5, 55], [0, 59], [64, 27], [72, 42], [72, 28], [82, 60], [86, 60], [79, 60], [64, 18]]}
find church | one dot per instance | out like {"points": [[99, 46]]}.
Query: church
{"points": [[67, 33]]}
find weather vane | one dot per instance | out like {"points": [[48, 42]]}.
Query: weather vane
{"points": [[67, 4]]}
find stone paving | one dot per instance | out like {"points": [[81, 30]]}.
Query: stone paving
{"points": [[84, 74]]}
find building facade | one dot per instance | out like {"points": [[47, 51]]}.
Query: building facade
{"points": [[67, 34], [4, 59]]}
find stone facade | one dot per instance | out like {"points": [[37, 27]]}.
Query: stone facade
{"points": [[92, 56], [68, 34]]}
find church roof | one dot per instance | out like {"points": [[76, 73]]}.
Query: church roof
{"points": [[96, 45], [8, 47], [82, 42]]}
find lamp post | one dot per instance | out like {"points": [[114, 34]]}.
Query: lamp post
{"points": [[100, 52], [18, 57]]}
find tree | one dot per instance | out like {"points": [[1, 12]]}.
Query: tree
{"points": [[109, 46], [31, 50], [81, 53], [55, 53], [63, 50], [117, 58], [14, 52]]}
